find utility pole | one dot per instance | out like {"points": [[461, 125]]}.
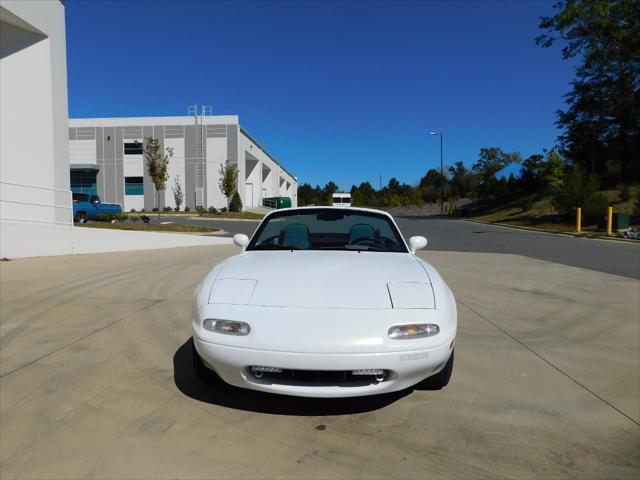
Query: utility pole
{"points": [[441, 174]]}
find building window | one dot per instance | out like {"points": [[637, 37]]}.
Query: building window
{"points": [[84, 181], [133, 148], [133, 186]]}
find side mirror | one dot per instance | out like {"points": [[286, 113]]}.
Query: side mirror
{"points": [[241, 240], [417, 243]]}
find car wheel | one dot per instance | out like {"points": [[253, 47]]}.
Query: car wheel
{"points": [[81, 217], [440, 379]]}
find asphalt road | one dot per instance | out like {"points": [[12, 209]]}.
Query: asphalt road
{"points": [[97, 380], [619, 258]]}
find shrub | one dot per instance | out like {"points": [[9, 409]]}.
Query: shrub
{"points": [[236, 204], [201, 211], [133, 210], [113, 217], [154, 209], [212, 210], [625, 194], [223, 209], [167, 209], [187, 209], [177, 209], [134, 218], [580, 190], [525, 203]]}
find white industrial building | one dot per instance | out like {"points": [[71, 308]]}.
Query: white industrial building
{"points": [[35, 201], [106, 158]]}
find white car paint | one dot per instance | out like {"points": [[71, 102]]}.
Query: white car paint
{"points": [[324, 310]]}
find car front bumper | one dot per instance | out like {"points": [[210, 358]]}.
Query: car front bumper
{"points": [[405, 368]]}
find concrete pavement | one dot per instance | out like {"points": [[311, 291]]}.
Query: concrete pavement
{"points": [[96, 380]]}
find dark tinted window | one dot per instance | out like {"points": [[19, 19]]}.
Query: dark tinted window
{"points": [[327, 229], [133, 148], [80, 197]]}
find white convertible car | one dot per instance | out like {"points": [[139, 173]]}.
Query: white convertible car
{"points": [[326, 302]]}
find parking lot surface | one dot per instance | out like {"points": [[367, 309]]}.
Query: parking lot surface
{"points": [[456, 235], [96, 380]]}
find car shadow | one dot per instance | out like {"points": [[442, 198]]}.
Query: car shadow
{"points": [[209, 388]]}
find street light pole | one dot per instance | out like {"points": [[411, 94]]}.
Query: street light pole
{"points": [[380, 184], [441, 173]]}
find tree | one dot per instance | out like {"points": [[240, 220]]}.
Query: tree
{"points": [[327, 193], [366, 196], [459, 180], [236, 204], [228, 180], [580, 190], [601, 124], [178, 195], [157, 166], [531, 172], [491, 161], [553, 175]]}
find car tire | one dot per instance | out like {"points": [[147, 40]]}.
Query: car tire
{"points": [[440, 379], [81, 217]]}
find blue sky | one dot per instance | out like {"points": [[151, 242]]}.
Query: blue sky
{"points": [[341, 91]]}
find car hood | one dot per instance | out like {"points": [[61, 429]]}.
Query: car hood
{"points": [[323, 279]]}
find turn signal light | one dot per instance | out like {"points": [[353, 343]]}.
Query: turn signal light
{"points": [[228, 327], [414, 330]]}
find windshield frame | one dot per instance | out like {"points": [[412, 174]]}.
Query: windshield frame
{"points": [[312, 211]]}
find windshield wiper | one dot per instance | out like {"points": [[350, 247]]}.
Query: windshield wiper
{"points": [[365, 248]]}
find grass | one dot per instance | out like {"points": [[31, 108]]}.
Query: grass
{"points": [[150, 227], [539, 213]]}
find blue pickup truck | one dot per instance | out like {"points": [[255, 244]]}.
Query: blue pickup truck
{"points": [[89, 207]]}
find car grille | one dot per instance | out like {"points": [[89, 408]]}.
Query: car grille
{"points": [[314, 378]]}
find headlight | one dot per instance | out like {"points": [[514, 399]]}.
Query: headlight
{"points": [[228, 327], [414, 330]]}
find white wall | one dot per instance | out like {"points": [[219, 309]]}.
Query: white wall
{"points": [[175, 170], [271, 183], [35, 200], [82, 151], [216, 155]]}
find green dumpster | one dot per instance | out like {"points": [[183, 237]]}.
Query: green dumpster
{"points": [[276, 202], [620, 221]]}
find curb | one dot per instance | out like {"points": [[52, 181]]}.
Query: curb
{"points": [[227, 219], [553, 232]]}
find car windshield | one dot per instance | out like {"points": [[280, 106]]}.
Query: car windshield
{"points": [[327, 229]]}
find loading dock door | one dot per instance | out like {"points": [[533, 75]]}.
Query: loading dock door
{"points": [[248, 195]]}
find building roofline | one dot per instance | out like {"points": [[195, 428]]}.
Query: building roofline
{"points": [[151, 121], [259, 145]]}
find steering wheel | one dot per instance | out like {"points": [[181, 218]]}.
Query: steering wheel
{"points": [[365, 241]]}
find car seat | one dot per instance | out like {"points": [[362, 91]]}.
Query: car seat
{"points": [[296, 235], [360, 230]]}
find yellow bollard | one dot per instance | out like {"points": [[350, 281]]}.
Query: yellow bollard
{"points": [[579, 220], [609, 220]]}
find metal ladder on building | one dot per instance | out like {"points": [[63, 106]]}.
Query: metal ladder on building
{"points": [[200, 150]]}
